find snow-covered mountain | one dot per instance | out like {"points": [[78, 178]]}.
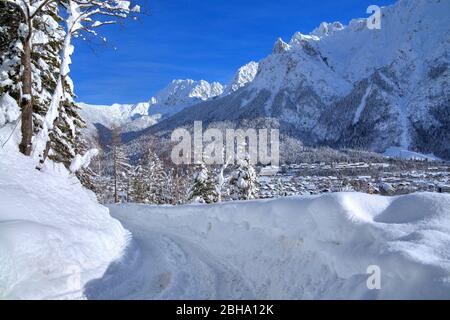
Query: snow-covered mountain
{"points": [[351, 86], [180, 92], [243, 76], [176, 96]]}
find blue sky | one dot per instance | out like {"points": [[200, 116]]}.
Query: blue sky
{"points": [[197, 39]]}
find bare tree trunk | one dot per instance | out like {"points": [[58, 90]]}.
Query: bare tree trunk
{"points": [[116, 195], [26, 102]]}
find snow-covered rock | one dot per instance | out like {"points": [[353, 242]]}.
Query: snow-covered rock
{"points": [[180, 92], [243, 76], [305, 247]]}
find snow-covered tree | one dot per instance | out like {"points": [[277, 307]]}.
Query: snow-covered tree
{"points": [[243, 181], [64, 140], [148, 180], [36, 48], [180, 184], [10, 50], [39, 48], [222, 181], [83, 18], [121, 167], [204, 188]]}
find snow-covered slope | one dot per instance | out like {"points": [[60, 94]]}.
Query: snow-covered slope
{"points": [[291, 248], [351, 86], [395, 152], [54, 236], [242, 77], [180, 92]]}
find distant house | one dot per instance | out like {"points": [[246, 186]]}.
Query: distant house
{"points": [[269, 171], [443, 188], [123, 196]]}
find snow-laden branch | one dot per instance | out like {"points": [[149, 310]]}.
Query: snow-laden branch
{"points": [[82, 15], [82, 161]]}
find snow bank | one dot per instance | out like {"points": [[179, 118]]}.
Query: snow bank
{"points": [[54, 236], [307, 247], [9, 110]]}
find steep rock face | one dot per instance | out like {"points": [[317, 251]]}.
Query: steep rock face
{"points": [[243, 76], [351, 86]]}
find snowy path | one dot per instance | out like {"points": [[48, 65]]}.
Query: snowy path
{"points": [[289, 248], [159, 265]]}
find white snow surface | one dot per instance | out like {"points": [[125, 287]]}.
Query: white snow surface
{"points": [[54, 236], [362, 105], [398, 152], [9, 110], [305, 247], [243, 76], [57, 242]]}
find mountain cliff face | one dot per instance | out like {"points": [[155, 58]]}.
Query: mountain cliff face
{"points": [[243, 76], [350, 86]]}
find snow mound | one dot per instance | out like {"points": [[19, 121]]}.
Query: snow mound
{"points": [[9, 110], [306, 247], [54, 236]]}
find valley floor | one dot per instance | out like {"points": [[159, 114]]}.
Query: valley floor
{"points": [[307, 247]]}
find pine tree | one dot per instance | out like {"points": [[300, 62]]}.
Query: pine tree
{"points": [[222, 183], [139, 190], [149, 180], [180, 184], [121, 167], [65, 140], [10, 50], [243, 181], [204, 189], [40, 28]]}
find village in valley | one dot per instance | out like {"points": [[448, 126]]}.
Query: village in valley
{"points": [[392, 177], [155, 180]]}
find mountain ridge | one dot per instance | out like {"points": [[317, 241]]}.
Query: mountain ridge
{"points": [[349, 86]]}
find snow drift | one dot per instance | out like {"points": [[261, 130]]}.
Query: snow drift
{"points": [[54, 236], [307, 247]]}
